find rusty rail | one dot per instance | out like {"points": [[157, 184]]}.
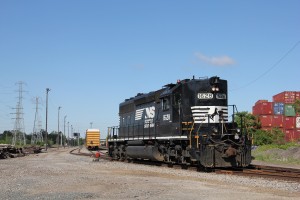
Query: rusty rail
{"points": [[90, 153], [289, 174]]}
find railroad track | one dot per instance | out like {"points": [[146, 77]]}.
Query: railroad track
{"points": [[78, 152], [288, 174]]}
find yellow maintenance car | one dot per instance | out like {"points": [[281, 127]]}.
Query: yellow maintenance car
{"points": [[92, 139]]}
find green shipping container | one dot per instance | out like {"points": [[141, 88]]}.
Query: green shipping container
{"points": [[289, 110]]}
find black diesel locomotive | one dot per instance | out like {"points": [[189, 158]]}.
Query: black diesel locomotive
{"points": [[184, 123]]}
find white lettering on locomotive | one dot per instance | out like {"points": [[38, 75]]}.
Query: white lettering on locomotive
{"points": [[221, 96], [205, 96], [166, 117], [149, 116], [149, 123], [150, 112]]}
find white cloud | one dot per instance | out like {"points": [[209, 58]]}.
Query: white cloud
{"points": [[218, 61]]}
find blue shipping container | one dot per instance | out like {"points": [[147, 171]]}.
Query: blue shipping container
{"points": [[278, 108]]}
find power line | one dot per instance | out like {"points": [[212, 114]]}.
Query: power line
{"points": [[37, 126], [19, 130], [272, 67]]}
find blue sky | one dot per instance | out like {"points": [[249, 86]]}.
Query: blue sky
{"points": [[94, 54]]}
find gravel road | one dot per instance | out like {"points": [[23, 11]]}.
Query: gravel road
{"points": [[60, 175]]}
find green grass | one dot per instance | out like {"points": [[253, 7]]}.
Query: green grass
{"points": [[271, 153], [277, 146]]}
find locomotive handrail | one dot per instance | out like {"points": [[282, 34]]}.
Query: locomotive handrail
{"points": [[129, 131], [191, 133]]}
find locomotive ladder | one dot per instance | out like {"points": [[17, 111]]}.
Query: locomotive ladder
{"points": [[189, 127]]}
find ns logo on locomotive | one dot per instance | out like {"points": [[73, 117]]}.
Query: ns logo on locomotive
{"points": [[184, 123]]}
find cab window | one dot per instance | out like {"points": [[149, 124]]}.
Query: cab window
{"points": [[177, 100], [165, 104]]}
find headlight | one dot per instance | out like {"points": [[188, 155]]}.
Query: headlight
{"points": [[236, 136], [215, 89]]}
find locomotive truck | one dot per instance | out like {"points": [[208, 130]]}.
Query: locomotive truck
{"points": [[186, 122]]}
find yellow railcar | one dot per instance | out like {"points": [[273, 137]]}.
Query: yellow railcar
{"points": [[92, 139]]}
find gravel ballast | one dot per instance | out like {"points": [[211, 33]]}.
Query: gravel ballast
{"points": [[60, 175]]}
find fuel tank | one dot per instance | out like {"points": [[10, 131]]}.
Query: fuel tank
{"points": [[144, 152]]}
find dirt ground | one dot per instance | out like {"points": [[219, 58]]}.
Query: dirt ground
{"points": [[60, 175]]}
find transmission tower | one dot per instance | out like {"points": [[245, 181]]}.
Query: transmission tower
{"points": [[37, 135], [19, 130]]}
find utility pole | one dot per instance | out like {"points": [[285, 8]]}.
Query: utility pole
{"points": [[46, 136], [68, 133], [78, 138], [64, 130], [19, 131], [72, 134], [91, 124], [58, 127]]}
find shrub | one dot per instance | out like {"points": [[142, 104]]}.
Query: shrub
{"points": [[263, 137]]}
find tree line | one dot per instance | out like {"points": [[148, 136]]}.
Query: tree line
{"points": [[7, 136]]}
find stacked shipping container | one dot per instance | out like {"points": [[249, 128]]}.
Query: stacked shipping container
{"points": [[280, 114], [286, 100]]}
